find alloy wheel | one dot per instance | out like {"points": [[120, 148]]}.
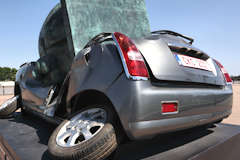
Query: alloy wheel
{"points": [[81, 127]]}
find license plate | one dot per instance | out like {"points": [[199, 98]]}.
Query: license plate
{"points": [[193, 62]]}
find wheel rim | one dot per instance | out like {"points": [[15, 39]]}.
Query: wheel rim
{"points": [[81, 127]]}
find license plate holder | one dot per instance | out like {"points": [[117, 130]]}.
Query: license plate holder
{"points": [[192, 62]]}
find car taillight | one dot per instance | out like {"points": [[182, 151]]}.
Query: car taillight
{"points": [[225, 73], [133, 60]]}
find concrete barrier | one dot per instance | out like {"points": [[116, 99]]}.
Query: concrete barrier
{"points": [[7, 88]]}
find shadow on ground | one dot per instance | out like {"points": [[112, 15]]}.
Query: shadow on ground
{"points": [[162, 144]]}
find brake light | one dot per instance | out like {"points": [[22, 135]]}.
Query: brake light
{"points": [[224, 71], [133, 60]]}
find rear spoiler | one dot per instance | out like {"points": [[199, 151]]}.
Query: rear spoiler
{"points": [[174, 34], [99, 38]]}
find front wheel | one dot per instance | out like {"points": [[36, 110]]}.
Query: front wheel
{"points": [[8, 107], [89, 135]]}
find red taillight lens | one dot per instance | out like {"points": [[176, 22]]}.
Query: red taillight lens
{"points": [[225, 73], [133, 58], [169, 107]]}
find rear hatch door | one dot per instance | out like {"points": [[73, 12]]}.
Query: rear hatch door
{"points": [[165, 54]]}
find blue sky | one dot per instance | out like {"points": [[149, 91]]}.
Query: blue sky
{"points": [[214, 24]]}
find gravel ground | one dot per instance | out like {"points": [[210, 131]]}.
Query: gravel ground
{"points": [[233, 119]]}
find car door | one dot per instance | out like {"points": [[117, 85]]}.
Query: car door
{"points": [[33, 91]]}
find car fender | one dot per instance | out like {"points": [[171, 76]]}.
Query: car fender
{"points": [[94, 68]]}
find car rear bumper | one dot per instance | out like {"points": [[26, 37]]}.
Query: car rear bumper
{"points": [[138, 104], [148, 129]]}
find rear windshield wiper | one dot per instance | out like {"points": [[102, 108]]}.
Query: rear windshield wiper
{"points": [[174, 34]]}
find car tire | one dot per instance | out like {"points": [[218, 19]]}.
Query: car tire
{"points": [[20, 105], [98, 147], [9, 107]]}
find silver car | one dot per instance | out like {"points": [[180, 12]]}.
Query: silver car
{"points": [[117, 88]]}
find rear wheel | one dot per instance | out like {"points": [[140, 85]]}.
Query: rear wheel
{"points": [[89, 134], [9, 107]]}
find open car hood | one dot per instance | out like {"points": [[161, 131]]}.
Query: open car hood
{"points": [[84, 19]]}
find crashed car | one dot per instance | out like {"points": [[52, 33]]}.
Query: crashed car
{"points": [[117, 87]]}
